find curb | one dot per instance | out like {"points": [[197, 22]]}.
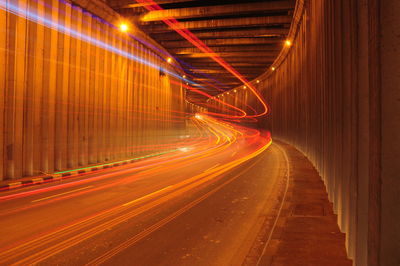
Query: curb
{"points": [[64, 175]]}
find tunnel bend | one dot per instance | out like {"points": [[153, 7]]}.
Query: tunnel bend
{"points": [[332, 96], [332, 92]]}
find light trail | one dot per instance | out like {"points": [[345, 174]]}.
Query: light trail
{"points": [[188, 35], [42, 20], [173, 157], [229, 105], [212, 141], [216, 138], [61, 194]]}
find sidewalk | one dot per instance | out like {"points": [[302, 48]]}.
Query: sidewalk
{"points": [[306, 232]]}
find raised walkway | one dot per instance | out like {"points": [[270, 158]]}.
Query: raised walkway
{"points": [[306, 231]]}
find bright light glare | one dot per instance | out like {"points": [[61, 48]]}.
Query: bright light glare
{"points": [[198, 116], [184, 149], [288, 43], [169, 59], [273, 68], [258, 81], [123, 27]]}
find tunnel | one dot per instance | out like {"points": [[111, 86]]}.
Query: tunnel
{"points": [[189, 132]]}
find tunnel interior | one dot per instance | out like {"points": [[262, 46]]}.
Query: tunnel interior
{"points": [[103, 83]]}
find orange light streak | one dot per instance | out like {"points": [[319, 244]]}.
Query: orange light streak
{"points": [[188, 35]]}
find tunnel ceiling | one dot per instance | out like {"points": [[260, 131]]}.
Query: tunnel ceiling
{"points": [[248, 34]]}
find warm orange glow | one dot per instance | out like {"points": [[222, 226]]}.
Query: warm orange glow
{"points": [[288, 43], [169, 59], [273, 68], [123, 27], [244, 87], [188, 35], [258, 81]]}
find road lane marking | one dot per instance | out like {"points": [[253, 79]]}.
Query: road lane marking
{"points": [[146, 196], [106, 256], [94, 220], [68, 192], [211, 168], [97, 223], [283, 200]]}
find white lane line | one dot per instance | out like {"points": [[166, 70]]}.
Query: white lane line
{"points": [[68, 192], [146, 196], [266, 244], [211, 168]]}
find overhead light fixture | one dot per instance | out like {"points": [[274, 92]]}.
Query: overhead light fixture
{"points": [[123, 27]]}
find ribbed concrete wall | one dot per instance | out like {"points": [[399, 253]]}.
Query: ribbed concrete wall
{"points": [[65, 102], [240, 97], [332, 96], [314, 101]]}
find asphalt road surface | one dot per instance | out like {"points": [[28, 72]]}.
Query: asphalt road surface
{"points": [[202, 204]]}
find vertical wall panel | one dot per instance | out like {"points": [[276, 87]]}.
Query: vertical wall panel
{"points": [[30, 94], [3, 47], [15, 81], [76, 88], [49, 87], [38, 85], [325, 100], [100, 76], [93, 96], [107, 101], [62, 94], [70, 102]]}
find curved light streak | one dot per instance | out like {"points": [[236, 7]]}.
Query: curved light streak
{"points": [[189, 36]]}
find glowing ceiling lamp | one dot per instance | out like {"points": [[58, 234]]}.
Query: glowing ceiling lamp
{"points": [[123, 27]]}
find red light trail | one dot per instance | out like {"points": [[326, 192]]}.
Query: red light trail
{"points": [[188, 35]]}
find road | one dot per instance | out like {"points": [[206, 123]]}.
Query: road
{"points": [[201, 204]]}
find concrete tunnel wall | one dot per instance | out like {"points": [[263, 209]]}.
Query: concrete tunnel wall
{"points": [[66, 103], [334, 94]]}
